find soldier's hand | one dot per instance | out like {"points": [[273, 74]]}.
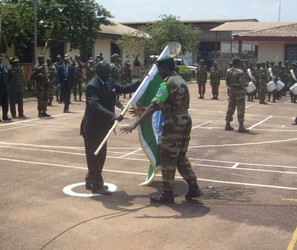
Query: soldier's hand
{"points": [[118, 118]]}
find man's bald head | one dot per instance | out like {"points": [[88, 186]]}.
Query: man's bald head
{"points": [[103, 70]]}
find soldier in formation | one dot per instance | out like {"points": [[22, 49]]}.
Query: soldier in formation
{"points": [[15, 87], [41, 75], [215, 77], [201, 78]]}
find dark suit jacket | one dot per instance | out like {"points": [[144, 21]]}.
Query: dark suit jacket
{"points": [[61, 75], [100, 106]]}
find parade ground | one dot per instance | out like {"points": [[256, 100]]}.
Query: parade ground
{"points": [[249, 181]]}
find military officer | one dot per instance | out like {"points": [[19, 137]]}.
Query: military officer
{"points": [[172, 99], [236, 83], [15, 87], [3, 91]]}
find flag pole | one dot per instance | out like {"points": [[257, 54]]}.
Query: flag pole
{"points": [[174, 48]]}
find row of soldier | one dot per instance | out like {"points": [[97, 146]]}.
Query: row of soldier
{"points": [[260, 74]]}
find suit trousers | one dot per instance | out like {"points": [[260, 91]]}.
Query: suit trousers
{"points": [[95, 163], [65, 94]]}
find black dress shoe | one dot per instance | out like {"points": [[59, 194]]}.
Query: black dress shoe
{"points": [[103, 190], [6, 118], [22, 116]]}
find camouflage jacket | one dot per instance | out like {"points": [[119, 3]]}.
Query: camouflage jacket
{"points": [[236, 80]]}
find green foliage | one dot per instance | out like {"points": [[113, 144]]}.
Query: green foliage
{"points": [[153, 37], [60, 21], [185, 73]]}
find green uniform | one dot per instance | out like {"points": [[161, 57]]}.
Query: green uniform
{"points": [[236, 83], [52, 72], [173, 100], [15, 89], [78, 79], [201, 79]]}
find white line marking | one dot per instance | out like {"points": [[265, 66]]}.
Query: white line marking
{"points": [[260, 122], [144, 174], [131, 153], [235, 165], [201, 124]]}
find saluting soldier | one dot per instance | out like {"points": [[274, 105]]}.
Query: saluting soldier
{"points": [[15, 87], [41, 76], [236, 83], [201, 78], [215, 77]]}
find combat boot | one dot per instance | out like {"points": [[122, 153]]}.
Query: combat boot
{"points": [[228, 127], [165, 198], [44, 114], [242, 129], [194, 192]]}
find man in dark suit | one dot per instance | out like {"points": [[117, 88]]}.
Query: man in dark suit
{"points": [[99, 117], [3, 91], [65, 81]]}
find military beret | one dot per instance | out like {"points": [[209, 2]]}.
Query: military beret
{"points": [[236, 59]]}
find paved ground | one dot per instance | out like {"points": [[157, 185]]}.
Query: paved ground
{"points": [[249, 183]]}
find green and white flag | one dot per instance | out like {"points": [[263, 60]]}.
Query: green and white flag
{"points": [[150, 130]]}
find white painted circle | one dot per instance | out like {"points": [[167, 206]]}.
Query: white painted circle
{"points": [[68, 190]]}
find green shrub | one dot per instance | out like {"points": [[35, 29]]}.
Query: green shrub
{"points": [[185, 73]]}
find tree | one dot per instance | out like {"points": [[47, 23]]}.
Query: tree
{"points": [[17, 25], [160, 33], [59, 21]]}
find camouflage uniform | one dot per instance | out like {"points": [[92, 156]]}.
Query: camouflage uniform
{"points": [[236, 83], [127, 75], [52, 72], [214, 77], [15, 89], [78, 79], [116, 74], [201, 78], [173, 100], [263, 80], [257, 79], [41, 76]]}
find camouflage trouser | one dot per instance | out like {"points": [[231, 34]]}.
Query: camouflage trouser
{"points": [[174, 146], [201, 87], [236, 99], [77, 87], [51, 88], [215, 87], [42, 96]]}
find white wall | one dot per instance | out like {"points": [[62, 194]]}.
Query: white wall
{"points": [[271, 51]]}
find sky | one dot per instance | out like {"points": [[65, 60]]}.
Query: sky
{"points": [[152, 10]]}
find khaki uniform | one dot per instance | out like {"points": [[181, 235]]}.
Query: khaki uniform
{"points": [[201, 79], [236, 83], [176, 131], [214, 77]]}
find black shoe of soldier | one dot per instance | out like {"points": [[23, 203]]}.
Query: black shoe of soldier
{"points": [[194, 192], [22, 116], [243, 130], [102, 190], [6, 118], [44, 114], [165, 198], [229, 128]]}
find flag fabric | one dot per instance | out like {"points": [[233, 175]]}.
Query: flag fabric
{"points": [[150, 130]]}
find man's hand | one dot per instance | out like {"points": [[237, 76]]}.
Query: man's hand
{"points": [[118, 118], [137, 111], [128, 129]]}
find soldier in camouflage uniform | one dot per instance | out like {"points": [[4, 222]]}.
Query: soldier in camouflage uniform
{"points": [[15, 87], [172, 99], [78, 78], [263, 80], [201, 78], [41, 76], [236, 83], [214, 77], [52, 73], [57, 86], [257, 79], [116, 74]]}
